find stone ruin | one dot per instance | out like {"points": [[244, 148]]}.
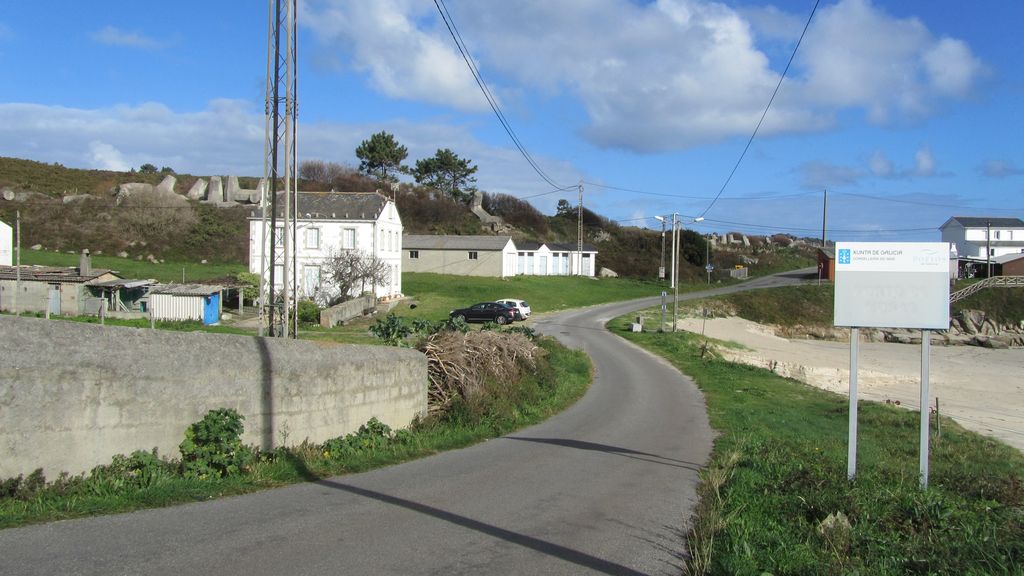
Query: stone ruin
{"points": [[212, 192]]}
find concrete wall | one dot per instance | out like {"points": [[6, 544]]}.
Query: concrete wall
{"points": [[347, 310], [73, 395]]}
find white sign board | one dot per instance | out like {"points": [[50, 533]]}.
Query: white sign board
{"points": [[892, 285]]}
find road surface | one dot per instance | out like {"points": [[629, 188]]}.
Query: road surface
{"points": [[606, 487]]}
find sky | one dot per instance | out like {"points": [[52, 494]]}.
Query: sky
{"points": [[906, 112]]}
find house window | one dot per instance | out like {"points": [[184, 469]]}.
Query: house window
{"points": [[348, 238], [473, 255], [313, 238], [997, 234], [311, 279], [414, 254]]}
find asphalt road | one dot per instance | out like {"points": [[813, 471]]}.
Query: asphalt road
{"points": [[606, 487]]}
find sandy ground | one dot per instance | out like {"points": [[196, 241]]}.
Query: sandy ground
{"points": [[982, 389]]}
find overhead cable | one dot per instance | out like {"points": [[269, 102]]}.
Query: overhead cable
{"points": [[763, 114]]}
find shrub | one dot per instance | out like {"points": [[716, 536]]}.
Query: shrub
{"points": [[139, 469], [309, 312], [372, 436], [213, 446], [392, 330]]}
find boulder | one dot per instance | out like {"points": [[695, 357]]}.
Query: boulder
{"points": [[232, 190], [167, 184], [8, 194], [37, 247], [125, 190], [608, 273], [76, 198], [197, 191], [122, 254]]}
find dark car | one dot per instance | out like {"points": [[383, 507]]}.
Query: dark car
{"points": [[486, 312]]}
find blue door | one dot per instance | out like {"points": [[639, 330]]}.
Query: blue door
{"points": [[211, 309]]}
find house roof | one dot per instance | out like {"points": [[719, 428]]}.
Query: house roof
{"points": [[336, 206], [984, 222], [52, 274], [124, 283], [186, 289], [1007, 258], [447, 242]]}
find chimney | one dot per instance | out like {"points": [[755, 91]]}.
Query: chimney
{"points": [[84, 263]]}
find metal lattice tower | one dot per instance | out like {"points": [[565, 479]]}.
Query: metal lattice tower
{"points": [[277, 246]]}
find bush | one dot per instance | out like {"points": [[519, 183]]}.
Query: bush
{"points": [[309, 312], [392, 330], [371, 437], [139, 469], [213, 446]]}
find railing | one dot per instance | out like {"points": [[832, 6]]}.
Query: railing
{"points": [[995, 281]]}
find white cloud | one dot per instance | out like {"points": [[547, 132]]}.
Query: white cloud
{"points": [[112, 36], [924, 163], [403, 61], [857, 55], [227, 138], [1000, 169], [881, 166], [818, 175], [106, 157], [663, 75]]}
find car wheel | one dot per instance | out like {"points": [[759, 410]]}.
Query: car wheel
{"points": [[460, 317], [500, 320]]}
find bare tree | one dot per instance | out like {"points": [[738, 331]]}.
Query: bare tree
{"points": [[345, 271]]}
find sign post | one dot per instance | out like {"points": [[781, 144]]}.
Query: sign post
{"points": [[891, 285]]}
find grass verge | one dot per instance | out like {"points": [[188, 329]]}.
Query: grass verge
{"points": [[775, 498], [558, 382]]}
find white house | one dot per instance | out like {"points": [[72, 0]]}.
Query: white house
{"points": [[984, 237], [495, 256], [332, 222], [6, 245]]}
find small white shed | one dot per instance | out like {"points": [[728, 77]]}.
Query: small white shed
{"points": [[186, 302], [6, 245]]}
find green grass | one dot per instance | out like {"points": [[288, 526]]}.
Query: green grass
{"points": [[554, 385], [808, 305], [138, 269], [778, 470]]}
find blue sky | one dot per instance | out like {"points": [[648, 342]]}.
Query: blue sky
{"points": [[908, 112]]}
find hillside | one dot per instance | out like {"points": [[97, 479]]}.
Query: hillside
{"points": [[68, 209]]}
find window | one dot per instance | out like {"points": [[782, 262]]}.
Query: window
{"points": [[311, 279], [414, 254], [348, 238], [313, 238], [473, 255], [279, 235]]}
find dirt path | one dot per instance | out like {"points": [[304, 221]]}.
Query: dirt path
{"points": [[982, 389]]}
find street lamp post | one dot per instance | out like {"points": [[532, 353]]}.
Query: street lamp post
{"points": [[677, 244], [661, 269]]}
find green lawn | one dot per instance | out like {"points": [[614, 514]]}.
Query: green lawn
{"points": [[138, 269], [778, 471]]}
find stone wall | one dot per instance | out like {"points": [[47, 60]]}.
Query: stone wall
{"points": [[73, 395]]}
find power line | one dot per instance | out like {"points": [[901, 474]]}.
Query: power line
{"points": [[763, 114], [491, 101], [666, 195], [923, 203]]}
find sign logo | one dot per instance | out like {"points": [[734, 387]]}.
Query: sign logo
{"points": [[844, 256]]}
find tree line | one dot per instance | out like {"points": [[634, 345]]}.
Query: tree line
{"points": [[382, 157]]}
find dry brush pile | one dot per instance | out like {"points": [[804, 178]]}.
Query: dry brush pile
{"points": [[460, 365]]}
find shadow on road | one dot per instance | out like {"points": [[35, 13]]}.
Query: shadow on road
{"points": [[626, 452], [542, 546]]}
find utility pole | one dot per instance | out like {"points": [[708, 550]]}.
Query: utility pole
{"points": [[824, 215], [676, 242], [988, 248], [579, 232], [707, 257], [274, 305], [661, 269], [17, 265]]}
